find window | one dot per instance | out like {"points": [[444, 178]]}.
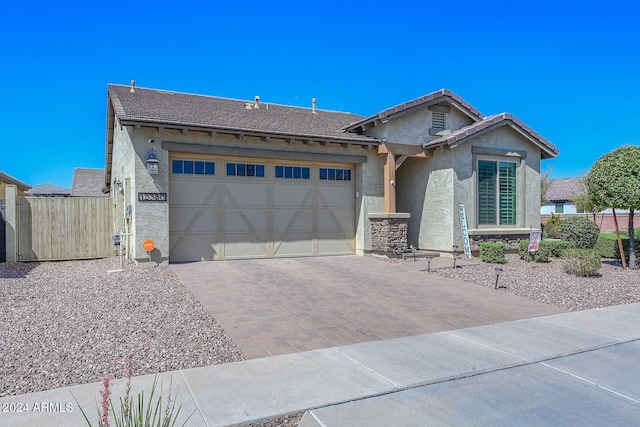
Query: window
{"points": [[496, 193], [559, 208], [293, 172], [331, 174], [245, 169], [191, 167]]}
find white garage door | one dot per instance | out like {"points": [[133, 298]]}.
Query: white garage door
{"points": [[224, 208]]}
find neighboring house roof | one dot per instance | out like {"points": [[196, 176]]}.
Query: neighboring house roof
{"points": [[565, 189], [431, 98], [49, 190], [159, 107], [456, 137], [88, 183], [22, 186]]}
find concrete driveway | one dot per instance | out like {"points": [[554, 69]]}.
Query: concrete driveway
{"points": [[279, 306]]}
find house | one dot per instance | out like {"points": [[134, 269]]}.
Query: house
{"points": [[209, 178], [49, 190], [88, 183], [560, 196], [6, 179]]}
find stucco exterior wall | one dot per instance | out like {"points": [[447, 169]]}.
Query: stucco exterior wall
{"points": [[413, 127], [527, 176], [3, 186], [425, 190], [151, 219]]}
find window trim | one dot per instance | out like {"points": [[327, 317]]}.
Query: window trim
{"points": [[517, 188]]}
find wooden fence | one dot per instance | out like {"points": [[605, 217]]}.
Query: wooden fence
{"points": [[64, 228]]}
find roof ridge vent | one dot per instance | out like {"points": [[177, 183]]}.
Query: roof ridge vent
{"points": [[313, 105], [133, 86]]}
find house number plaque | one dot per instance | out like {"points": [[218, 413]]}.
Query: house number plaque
{"points": [[152, 197]]}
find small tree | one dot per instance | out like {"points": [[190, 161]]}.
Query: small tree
{"points": [[614, 181], [584, 202]]}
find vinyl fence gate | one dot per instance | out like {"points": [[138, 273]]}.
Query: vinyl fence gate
{"points": [[64, 228]]}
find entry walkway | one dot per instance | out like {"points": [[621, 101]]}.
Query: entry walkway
{"points": [[568, 369], [278, 306]]}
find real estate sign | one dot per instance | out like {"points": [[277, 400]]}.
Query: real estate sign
{"points": [[465, 231]]}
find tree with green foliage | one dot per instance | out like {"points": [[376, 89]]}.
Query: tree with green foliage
{"points": [[545, 183], [584, 202], [614, 181]]}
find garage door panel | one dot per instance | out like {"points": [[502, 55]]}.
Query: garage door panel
{"points": [[296, 244], [201, 247], [292, 220], [335, 243], [292, 195], [338, 196], [192, 192], [193, 220], [336, 220], [250, 193], [246, 245], [233, 217], [252, 220]]}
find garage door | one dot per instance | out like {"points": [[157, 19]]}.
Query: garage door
{"points": [[231, 208]]}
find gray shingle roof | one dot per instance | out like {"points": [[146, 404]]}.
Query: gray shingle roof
{"points": [[164, 107], [22, 186], [49, 190], [88, 183], [439, 95], [565, 189], [460, 135]]}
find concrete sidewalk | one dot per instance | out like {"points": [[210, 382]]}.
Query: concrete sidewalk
{"points": [[567, 369]]}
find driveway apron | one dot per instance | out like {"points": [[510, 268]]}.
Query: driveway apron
{"points": [[287, 305]]}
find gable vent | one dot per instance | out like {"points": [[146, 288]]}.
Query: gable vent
{"points": [[437, 120]]}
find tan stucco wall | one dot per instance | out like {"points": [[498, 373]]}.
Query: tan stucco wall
{"points": [[431, 189], [413, 127], [151, 219], [3, 186]]}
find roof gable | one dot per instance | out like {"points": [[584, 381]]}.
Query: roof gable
{"points": [[442, 95], [504, 119], [49, 189]]}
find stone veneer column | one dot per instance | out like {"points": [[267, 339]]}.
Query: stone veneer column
{"points": [[388, 231]]}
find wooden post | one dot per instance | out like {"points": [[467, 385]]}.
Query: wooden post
{"points": [[615, 220], [389, 184]]}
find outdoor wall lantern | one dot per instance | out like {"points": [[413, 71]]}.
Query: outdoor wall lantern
{"points": [[498, 273], [152, 162], [429, 258]]}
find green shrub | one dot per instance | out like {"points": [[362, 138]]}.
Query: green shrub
{"points": [[607, 246], [554, 220], [553, 232], [580, 231], [556, 247], [546, 249], [492, 252], [581, 262], [550, 229]]}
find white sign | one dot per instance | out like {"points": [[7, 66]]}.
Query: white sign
{"points": [[534, 240], [465, 231]]}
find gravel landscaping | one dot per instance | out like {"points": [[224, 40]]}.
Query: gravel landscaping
{"points": [[548, 283], [67, 323]]}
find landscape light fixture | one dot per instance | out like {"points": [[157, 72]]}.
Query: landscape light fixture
{"points": [[429, 258], [498, 273], [455, 255], [152, 162]]}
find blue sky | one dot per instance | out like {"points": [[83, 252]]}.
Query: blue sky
{"points": [[570, 70]]}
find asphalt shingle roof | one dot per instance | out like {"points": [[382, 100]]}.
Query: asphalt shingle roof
{"points": [[159, 106], [467, 131], [22, 186], [565, 189], [88, 183], [48, 189]]}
